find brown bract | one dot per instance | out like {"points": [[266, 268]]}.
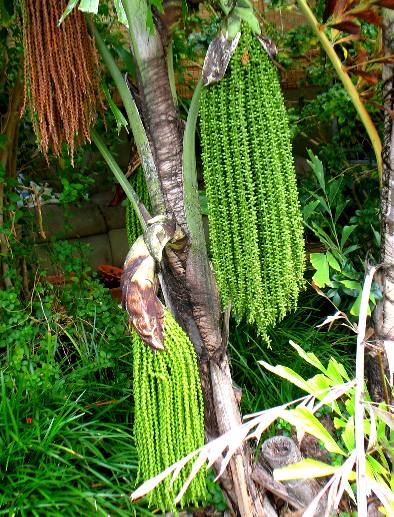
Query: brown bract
{"points": [[139, 295], [61, 75]]}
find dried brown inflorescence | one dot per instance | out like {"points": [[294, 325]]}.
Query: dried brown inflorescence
{"points": [[61, 75]]}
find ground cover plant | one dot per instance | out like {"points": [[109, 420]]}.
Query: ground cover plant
{"points": [[160, 377], [65, 432]]}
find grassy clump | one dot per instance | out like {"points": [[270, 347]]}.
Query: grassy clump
{"points": [[66, 443]]}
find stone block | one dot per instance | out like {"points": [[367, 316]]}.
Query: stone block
{"points": [[100, 249], [119, 246], [114, 216], [72, 222]]}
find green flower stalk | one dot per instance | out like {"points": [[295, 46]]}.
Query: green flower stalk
{"points": [[255, 222], [169, 413]]}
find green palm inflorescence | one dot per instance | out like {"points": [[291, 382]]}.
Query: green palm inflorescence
{"points": [[169, 413], [255, 223]]}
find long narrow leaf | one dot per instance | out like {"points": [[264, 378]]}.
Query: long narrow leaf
{"points": [[137, 127], [89, 6], [70, 6], [307, 469], [128, 189], [302, 417], [288, 374]]}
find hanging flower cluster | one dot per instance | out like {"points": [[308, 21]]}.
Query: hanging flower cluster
{"points": [[169, 414], [133, 226], [255, 223], [61, 75]]}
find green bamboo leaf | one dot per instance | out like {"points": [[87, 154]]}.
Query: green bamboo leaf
{"points": [[302, 418], [309, 209], [351, 284], [89, 6], [336, 372], [288, 374], [306, 469], [70, 6], [348, 435], [355, 308], [319, 383], [320, 263], [226, 5], [309, 357], [376, 466]]}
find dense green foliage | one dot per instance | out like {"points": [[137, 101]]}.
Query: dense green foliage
{"points": [[254, 218], [66, 443], [169, 415]]}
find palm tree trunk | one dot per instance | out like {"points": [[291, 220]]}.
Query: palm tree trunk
{"points": [[378, 371], [189, 286]]}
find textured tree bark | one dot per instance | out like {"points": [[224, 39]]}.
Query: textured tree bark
{"points": [[188, 283], [378, 372]]}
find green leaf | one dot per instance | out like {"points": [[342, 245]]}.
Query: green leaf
{"points": [[309, 357], [346, 232], [246, 14], [319, 383], [351, 284], [226, 6], [307, 468], [320, 263], [89, 6], [233, 26], [355, 308], [302, 418], [70, 6], [350, 249], [317, 167], [288, 374], [119, 117], [348, 435], [120, 12], [336, 372], [376, 467], [333, 261], [309, 209]]}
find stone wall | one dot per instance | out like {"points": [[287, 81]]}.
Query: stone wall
{"points": [[96, 223]]}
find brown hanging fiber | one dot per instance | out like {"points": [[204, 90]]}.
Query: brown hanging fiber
{"points": [[61, 75]]}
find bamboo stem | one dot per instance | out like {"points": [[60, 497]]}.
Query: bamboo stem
{"points": [[362, 481], [347, 83]]}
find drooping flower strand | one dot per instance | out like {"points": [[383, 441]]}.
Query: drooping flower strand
{"points": [[169, 413], [61, 75], [255, 224]]}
